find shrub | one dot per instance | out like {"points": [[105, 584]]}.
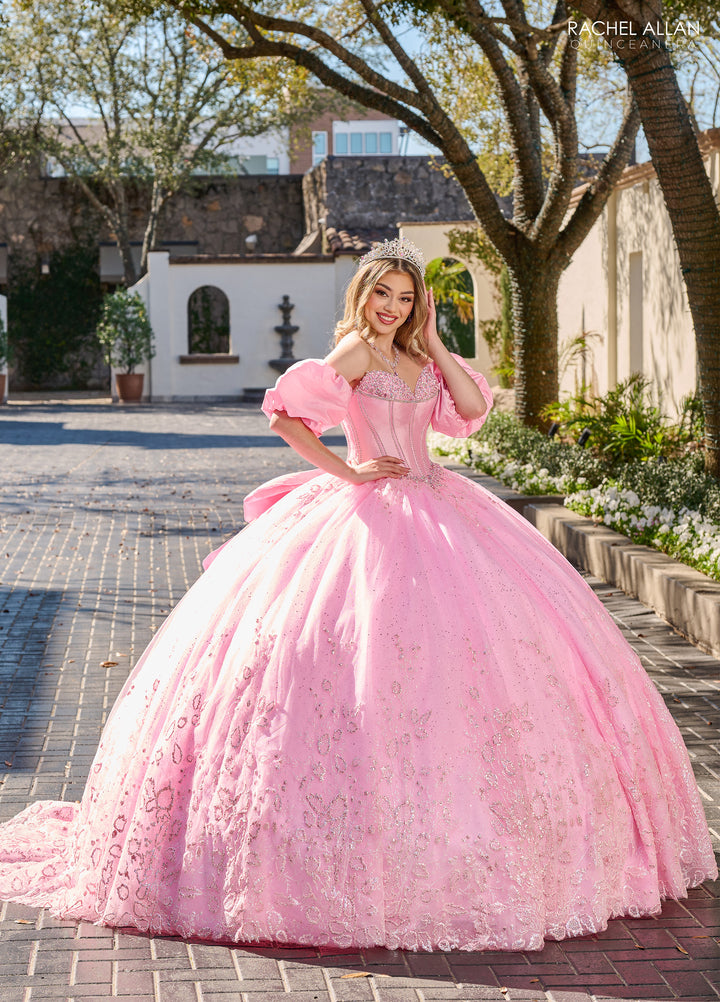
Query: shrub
{"points": [[682, 532], [512, 452], [52, 318], [624, 424], [678, 483], [672, 505], [124, 331]]}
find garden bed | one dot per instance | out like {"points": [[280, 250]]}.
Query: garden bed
{"points": [[669, 505]]}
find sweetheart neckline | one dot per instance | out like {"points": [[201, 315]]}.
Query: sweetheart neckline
{"points": [[395, 375]]}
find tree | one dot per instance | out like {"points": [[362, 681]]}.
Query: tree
{"points": [[678, 163], [19, 125], [534, 76], [162, 104]]}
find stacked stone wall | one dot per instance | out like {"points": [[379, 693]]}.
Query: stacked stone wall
{"points": [[375, 193], [216, 214]]}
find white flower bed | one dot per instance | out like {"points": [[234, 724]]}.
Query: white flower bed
{"points": [[684, 534], [521, 477]]}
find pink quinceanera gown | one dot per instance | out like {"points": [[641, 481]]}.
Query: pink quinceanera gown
{"points": [[387, 714]]}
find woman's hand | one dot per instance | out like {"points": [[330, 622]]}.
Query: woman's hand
{"points": [[432, 338], [376, 469]]}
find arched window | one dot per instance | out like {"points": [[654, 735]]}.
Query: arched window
{"points": [[452, 287], [208, 321]]}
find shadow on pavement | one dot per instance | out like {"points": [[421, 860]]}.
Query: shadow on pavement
{"points": [[46, 433], [27, 650]]}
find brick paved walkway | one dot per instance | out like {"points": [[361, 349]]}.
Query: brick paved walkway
{"points": [[105, 515]]}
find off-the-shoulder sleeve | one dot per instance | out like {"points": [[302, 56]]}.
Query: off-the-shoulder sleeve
{"points": [[311, 390], [445, 417]]}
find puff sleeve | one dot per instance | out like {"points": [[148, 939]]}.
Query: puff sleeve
{"points": [[313, 391], [445, 417]]}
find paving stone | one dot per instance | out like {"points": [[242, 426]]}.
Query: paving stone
{"points": [[134, 983], [301, 996], [252, 968], [360, 989], [177, 991], [441, 993], [559, 996], [106, 514], [389, 994], [94, 972]]}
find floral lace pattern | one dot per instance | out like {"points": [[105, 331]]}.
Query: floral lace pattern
{"points": [[388, 714]]}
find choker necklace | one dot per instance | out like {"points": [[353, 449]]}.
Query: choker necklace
{"points": [[393, 364]]}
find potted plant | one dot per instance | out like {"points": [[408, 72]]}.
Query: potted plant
{"points": [[126, 339], [4, 358]]}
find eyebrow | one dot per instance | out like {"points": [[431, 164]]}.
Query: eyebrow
{"points": [[382, 285]]}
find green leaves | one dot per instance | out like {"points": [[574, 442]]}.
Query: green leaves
{"points": [[124, 331], [624, 424], [452, 288], [52, 317]]}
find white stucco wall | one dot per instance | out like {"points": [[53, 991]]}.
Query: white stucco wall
{"points": [[583, 307], [254, 288], [625, 282]]}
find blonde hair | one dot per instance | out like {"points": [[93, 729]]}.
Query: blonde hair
{"points": [[409, 337]]}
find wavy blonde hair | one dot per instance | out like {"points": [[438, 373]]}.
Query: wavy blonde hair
{"points": [[410, 337]]}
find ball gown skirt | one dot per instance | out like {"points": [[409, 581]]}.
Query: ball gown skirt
{"points": [[386, 714]]}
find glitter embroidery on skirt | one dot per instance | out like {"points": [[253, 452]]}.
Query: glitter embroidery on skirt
{"points": [[387, 714]]}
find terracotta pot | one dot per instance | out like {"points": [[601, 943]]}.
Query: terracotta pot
{"points": [[3, 379], [129, 386]]}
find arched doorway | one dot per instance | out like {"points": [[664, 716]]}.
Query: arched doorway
{"points": [[453, 290], [208, 321]]}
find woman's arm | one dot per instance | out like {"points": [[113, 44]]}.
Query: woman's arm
{"points": [[349, 359], [297, 435], [469, 401]]}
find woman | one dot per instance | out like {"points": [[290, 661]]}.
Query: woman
{"points": [[389, 713]]}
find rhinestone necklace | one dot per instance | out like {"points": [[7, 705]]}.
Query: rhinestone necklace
{"points": [[393, 364]]}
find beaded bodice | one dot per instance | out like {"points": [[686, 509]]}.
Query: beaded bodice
{"points": [[387, 418]]}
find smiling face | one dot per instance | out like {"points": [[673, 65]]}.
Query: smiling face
{"points": [[390, 303]]}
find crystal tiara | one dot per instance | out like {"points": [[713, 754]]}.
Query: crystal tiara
{"points": [[400, 248]]}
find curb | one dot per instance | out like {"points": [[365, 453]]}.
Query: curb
{"points": [[686, 599]]}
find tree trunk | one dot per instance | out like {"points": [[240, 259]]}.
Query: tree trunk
{"points": [[535, 321], [129, 272], [122, 231], [157, 201]]}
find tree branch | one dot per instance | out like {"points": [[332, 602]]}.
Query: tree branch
{"points": [[524, 141], [246, 15], [595, 195], [441, 133], [332, 78]]}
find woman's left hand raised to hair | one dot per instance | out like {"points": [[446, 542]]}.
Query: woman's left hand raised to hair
{"points": [[432, 338], [469, 401]]}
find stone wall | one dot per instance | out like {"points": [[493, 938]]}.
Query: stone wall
{"points": [[375, 193], [40, 215], [360, 196], [221, 212]]}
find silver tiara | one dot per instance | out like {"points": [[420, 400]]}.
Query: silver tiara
{"points": [[400, 248]]}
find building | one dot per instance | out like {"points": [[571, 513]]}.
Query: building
{"points": [[238, 245], [624, 288]]}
